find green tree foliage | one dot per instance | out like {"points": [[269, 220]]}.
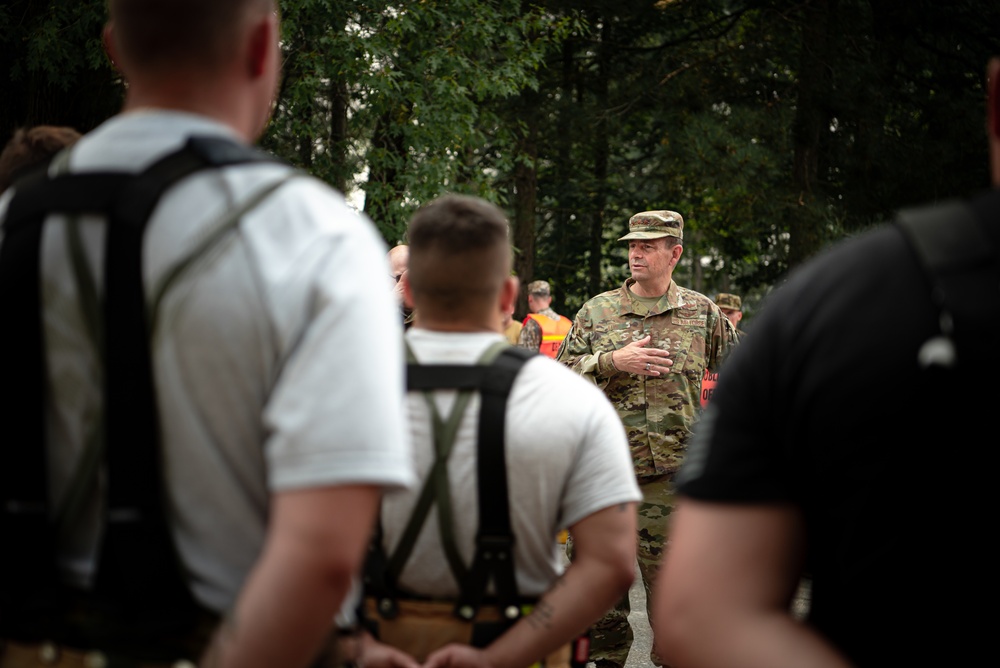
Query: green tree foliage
{"points": [[52, 65], [417, 81], [774, 126]]}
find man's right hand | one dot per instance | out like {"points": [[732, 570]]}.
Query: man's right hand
{"points": [[638, 359]]}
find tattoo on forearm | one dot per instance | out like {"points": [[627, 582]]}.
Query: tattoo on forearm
{"points": [[541, 618]]}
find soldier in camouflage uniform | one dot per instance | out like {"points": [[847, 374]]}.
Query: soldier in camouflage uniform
{"points": [[732, 307], [647, 346]]}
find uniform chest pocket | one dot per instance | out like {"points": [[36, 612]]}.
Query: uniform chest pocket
{"points": [[686, 346], [616, 334]]}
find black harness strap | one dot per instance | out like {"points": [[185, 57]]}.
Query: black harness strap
{"points": [[494, 555], [138, 577], [23, 479]]}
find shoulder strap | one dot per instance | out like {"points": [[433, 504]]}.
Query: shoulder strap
{"points": [[494, 556], [137, 560], [494, 541], [961, 263]]}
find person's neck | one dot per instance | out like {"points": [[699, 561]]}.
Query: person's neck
{"points": [[656, 288], [462, 326], [215, 101]]}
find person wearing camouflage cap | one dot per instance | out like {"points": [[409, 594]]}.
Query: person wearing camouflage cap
{"points": [[647, 345], [543, 329], [732, 307]]}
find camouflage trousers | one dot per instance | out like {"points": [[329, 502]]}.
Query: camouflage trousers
{"points": [[611, 637]]}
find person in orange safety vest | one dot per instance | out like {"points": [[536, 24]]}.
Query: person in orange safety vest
{"points": [[544, 329]]}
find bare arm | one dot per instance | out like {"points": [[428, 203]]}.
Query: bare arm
{"points": [[315, 545], [724, 591], [602, 570]]}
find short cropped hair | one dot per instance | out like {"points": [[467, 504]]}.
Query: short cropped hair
{"points": [[460, 255], [32, 147], [154, 33]]}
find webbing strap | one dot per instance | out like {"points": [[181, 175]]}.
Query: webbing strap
{"points": [[436, 487], [494, 541], [136, 508], [137, 566], [23, 476], [216, 232], [85, 476], [494, 557]]}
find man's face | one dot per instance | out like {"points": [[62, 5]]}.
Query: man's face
{"points": [[398, 261], [397, 265], [650, 259], [733, 315]]}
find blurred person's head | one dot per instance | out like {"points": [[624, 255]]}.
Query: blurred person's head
{"points": [[219, 59], [32, 147], [460, 264], [539, 296], [731, 306]]}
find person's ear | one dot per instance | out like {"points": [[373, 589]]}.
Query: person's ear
{"points": [[261, 40], [110, 48], [404, 280], [993, 117], [508, 294], [993, 96], [676, 252]]}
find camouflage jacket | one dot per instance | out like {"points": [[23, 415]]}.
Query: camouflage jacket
{"points": [[658, 413]]}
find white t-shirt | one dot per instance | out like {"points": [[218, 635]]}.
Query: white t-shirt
{"points": [[277, 362], [567, 457]]}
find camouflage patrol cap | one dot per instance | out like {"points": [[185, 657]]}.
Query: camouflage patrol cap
{"points": [[540, 288], [728, 301], [655, 225]]}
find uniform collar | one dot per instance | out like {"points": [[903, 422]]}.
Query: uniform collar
{"points": [[669, 301]]}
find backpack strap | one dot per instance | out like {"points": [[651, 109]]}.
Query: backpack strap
{"points": [[137, 568], [956, 248]]}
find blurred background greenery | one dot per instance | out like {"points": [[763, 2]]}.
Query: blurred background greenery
{"points": [[774, 127]]}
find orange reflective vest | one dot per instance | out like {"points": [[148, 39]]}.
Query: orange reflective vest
{"points": [[553, 332], [708, 382]]}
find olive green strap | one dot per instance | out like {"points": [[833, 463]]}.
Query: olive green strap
{"points": [[72, 502], [436, 487], [216, 231], [445, 433], [84, 475]]}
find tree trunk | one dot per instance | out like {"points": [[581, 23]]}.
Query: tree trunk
{"points": [[602, 152], [526, 197], [388, 152], [811, 116], [338, 134]]}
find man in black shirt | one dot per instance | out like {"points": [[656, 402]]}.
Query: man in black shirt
{"points": [[848, 441]]}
